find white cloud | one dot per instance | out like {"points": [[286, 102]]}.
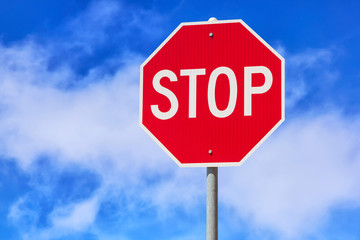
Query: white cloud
{"points": [[76, 217], [88, 29], [71, 218], [94, 125], [106, 22], [291, 184], [21, 213], [307, 71], [40, 119], [311, 58], [182, 188]]}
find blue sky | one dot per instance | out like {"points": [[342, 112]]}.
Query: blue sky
{"points": [[74, 163]]}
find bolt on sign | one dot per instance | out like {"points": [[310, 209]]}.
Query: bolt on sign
{"points": [[211, 93]]}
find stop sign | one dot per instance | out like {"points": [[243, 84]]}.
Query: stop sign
{"points": [[211, 93]]}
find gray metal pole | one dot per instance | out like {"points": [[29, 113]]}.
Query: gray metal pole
{"points": [[212, 203]]}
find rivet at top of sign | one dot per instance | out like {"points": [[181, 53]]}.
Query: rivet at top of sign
{"points": [[210, 152], [212, 19]]}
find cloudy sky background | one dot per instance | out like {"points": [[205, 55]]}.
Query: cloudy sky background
{"points": [[74, 163]]}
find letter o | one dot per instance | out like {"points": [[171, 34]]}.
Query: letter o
{"points": [[211, 92]]}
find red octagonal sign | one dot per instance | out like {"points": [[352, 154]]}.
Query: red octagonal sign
{"points": [[211, 93]]}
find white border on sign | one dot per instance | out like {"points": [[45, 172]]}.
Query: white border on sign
{"points": [[241, 161]]}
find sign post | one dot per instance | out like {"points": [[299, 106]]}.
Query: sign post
{"points": [[210, 95], [211, 203]]}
